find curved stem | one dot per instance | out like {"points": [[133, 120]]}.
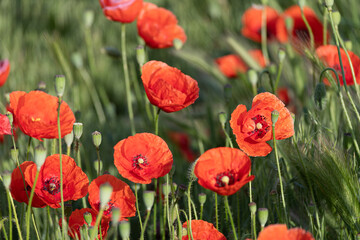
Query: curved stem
{"points": [[231, 218], [61, 173], [127, 80], [145, 224]]}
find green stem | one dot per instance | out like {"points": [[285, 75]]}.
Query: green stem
{"points": [[281, 64], [127, 81], [137, 206], [155, 207], [228, 139], [311, 34], [189, 209], [68, 150], [216, 211], [28, 149], [253, 226], [98, 218], [15, 215], [279, 173], [145, 224], [201, 211], [325, 18], [61, 173], [157, 121], [230, 215], [10, 216], [28, 212], [263, 35], [99, 161], [167, 204]]}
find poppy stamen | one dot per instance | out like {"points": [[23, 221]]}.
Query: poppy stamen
{"points": [[261, 126], [52, 185], [224, 178], [140, 161]]}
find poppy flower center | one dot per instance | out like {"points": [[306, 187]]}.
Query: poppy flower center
{"points": [[139, 162], [52, 185], [108, 207], [261, 126], [225, 178]]}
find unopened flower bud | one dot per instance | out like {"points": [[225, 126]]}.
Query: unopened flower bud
{"points": [[202, 198], [124, 228], [227, 92], [140, 55], [263, 214], [272, 68], [115, 216], [111, 52], [88, 18], [41, 86], [78, 130], [348, 45], [92, 231], [96, 137], [6, 180], [105, 194], [252, 207], [320, 96], [149, 197], [14, 153], [96, 165], [191, 175], [329, 3], [222, 119], [166, 189], [11, 118], [336, 17], [77, 60], [40, 156], [178, 43], [274, 116], [253, 77], [289, 24], [88, 218], [59, 85], [281, 55], [69, 138]]}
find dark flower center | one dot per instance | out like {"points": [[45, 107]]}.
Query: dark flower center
{"points": [[52, 185], [225, 178], [261, 126], [107, 209], [139, 162]]}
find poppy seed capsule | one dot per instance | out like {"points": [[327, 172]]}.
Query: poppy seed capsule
{"points": [[96, 137], [124, 228], [336, 17], [348, 45], [222, 118], [149, 197], [78, 130], [40, 156], [105, 194], [252, 207], [115, 216], [274, 116], [202, 198], [88, 218], [59, 85], [320, 96], [88, 18], [69, 138], [263, 214], [6, 177]]}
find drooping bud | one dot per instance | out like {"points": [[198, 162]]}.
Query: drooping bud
{"points": [[124, 228], [252, 207], [320, 96], [149, 197], [78, 130], [96, 137], [105, 194], [59, 85], [69, 138], [178, 44], [274, 116], [88, 218], [202, 198], [263, 214], [140, 55], [40, 156], [272, 68], [253, 77], [6, 180]]}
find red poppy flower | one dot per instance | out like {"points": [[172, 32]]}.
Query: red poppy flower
{"points": [[230, 65], [124, 11], [76, 221], [122, 197], [202, 230], [300, 32], [183, 142], [4, 71], [5, 127], [223, 170], [158, 26], [280, 232], [329, 55], [142, 157], [252, 22], [36, 114], [167, 87], [20, 192], [75, 181], [254, 128]]}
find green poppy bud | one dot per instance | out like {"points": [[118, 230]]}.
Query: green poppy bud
{"points": [[274, 116], [202, 198], [252, 207], [6, 180], [69, 138], [140, 55], [149, 197], [124, 228], [96, 137], [253, 77], [40, 156], [263, 215], [115, 216], [78, 130], [336, 17], [59, 85], [178, 43], [88, 218]]}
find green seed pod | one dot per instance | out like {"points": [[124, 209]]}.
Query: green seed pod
{"points": [[336, 17], [253, 207], [14, 153], [274, 116], [6, 180], [253, 77], [88, 218], [202, 198], [11, 118], [223, 119], [149, 197], [115, 216], [78, 130], [348, 45], [88, 18], [124, 228], [77, 60], [289, 24], [69, 138], [96, 137], [329, 3], [281, 55], [59, 85], [263, 215]]}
